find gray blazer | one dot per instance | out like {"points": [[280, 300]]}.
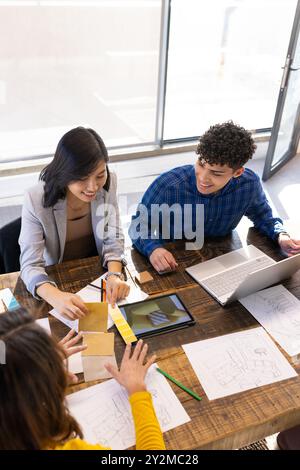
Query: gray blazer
{"points": [[43, 232]]}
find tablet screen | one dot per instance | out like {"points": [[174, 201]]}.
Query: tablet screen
{"points": [[156, 315]]}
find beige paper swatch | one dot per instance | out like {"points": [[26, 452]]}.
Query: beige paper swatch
{"points": [[93, 367], [98, 344], [96, 319]]}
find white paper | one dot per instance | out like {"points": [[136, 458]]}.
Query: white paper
{"points": [[44, 323], [75, 363], [237, 362], [104, 414], [278, 311], [72, 324], [90, 294], [135, 294]]}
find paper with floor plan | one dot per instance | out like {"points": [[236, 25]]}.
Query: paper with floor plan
{"points": [[90, 294], [104, 413], [278, 311], [237, 362]]}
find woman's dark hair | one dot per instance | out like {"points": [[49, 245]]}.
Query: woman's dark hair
{"points": [[77, 155], [226, 144], [33, 384]]}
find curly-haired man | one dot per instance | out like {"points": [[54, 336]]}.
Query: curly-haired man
{"points": [[218, 182]]}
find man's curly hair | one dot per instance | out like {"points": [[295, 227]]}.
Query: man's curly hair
{"points": [[226, 144]]}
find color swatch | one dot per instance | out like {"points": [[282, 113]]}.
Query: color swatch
{"points": [[122, 325]]}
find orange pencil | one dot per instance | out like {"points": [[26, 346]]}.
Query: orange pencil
{"points": [[104, 291]]}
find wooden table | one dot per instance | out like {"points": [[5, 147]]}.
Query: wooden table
{"points": [[226, 423]]}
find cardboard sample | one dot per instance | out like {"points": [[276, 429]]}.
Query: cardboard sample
{"points": [[143, 277], [98, 344], [96, 319]]}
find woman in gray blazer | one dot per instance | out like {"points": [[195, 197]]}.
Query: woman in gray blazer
{"points": [[72, 213]]}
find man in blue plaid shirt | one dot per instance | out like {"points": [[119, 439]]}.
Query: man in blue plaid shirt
{"points": [[220, 184]]}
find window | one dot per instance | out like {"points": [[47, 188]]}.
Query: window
{"points": [[70, 63], [224, 62], [95, 63]]}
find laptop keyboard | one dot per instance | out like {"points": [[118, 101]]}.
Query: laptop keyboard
{"points": [[227, 282]]}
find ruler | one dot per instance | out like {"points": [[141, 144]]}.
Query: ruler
{"points": [[122, 325]]}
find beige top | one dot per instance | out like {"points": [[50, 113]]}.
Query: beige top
{"points": [[80, 241], [39, 250]]}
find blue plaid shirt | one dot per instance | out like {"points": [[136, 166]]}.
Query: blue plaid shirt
{"points": [[223, 210]]}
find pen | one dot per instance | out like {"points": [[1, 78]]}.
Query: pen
{"points": [[190, 392], [102, 289], [94, 285], [126, 270]]}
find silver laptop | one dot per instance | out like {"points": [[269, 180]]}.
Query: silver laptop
{"points": [[242, 272]]}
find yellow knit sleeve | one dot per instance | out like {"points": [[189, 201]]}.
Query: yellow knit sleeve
{"points": [[147, 429], [79, 444]]}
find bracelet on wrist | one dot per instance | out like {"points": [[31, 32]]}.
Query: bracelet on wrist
{"points": [[113, 273]]}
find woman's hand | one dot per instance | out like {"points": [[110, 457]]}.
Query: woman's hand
{"points": [[133, 370], [116, 289], [69, 341], [70, 305], [68, 345]]}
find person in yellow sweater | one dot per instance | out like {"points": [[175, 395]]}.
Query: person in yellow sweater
{"points": [[33, 386]]}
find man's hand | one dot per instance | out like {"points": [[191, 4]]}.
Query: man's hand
{"points": [[162, 260], [289, 245]]}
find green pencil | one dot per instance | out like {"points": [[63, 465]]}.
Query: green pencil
{"points": [[193, 394]]}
